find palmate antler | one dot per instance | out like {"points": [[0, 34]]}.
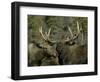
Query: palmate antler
{"points": [[46, 36], [73, 37]]}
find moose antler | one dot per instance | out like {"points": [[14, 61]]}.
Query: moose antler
{"points": [[43, 36], [73, 37], [70, 31], [82, 36], [46, 36]]}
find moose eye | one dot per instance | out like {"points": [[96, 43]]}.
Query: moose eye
{"points": [[74, 34]]}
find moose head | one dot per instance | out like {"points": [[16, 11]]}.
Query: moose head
{"points": [[44, 53], [71, 52]]}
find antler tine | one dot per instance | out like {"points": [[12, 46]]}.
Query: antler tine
{"points": [[49, 32], [82, 38], [46, 36], [70, 31], [78, 29], [68, 39], [73, 37], [41, 32]]}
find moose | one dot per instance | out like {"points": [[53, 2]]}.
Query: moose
{"points": [[43, 54], [70, 52], [62, 52]]}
